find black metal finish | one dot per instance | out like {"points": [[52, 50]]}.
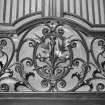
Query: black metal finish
{"points": [[58, 52]]}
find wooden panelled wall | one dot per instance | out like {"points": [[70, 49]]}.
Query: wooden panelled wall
{"points": [[90, 10]]}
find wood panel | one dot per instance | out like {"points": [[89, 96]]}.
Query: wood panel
{"points": [[90, 10], [52, 99]]}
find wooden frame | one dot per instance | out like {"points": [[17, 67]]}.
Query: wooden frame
{"points": [[52, 98]]}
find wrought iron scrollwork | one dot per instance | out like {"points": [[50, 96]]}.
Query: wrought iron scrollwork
{"points": [[52, 56]]}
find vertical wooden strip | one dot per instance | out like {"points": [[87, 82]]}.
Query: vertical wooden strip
{"points": [[65, 6], [99, 11], [51, 8], [96, 11], [58, 10], [46, 8], [61, 7], [93, 11], [4, 11], [36, 2], [39, 5], [87, 10], [102, 12], [14, 10], [1, 10], [7, 12], [26, 7], [81, 8], [43, 8], [30, 6], [68, 5], [10, 18], [23, 7], [90, 11], [20, 8], [55, 7], [84, 9], [75, 7], [71, 6], [17, 13]]}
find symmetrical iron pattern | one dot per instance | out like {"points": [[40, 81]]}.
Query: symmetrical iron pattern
{"points": [[52, 55]]}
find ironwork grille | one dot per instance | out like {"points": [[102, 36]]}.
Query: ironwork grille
{"points": [[40, 53], [52, 55]]}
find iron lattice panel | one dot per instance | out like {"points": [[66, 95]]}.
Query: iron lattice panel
{"points": [[52, 55]]}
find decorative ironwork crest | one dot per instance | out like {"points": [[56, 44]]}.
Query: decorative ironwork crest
{"points": [[53, 56]]}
